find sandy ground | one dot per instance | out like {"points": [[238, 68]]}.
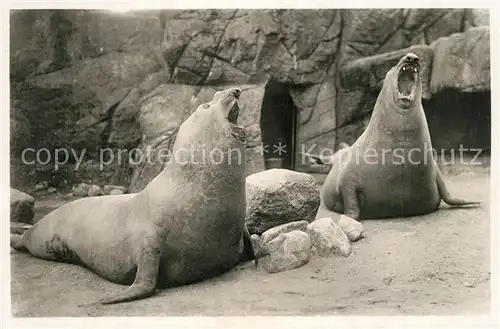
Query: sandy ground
{"points": [[436, 264]]}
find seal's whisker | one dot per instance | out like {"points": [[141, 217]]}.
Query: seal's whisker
{"points": [[227, 98]]}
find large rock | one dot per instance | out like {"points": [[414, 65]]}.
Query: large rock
{"points": [[478, 17], [286, 252], [70, 70], [462, 61], [44, 41], [22, 207], [240, 46], [375, 31], [280, 196], [168, 106]]}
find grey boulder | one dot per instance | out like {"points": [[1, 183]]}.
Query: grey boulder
{"points": [[280, 196], [22, 207]]}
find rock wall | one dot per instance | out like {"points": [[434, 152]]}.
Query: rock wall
{"points": [[82, 79]]}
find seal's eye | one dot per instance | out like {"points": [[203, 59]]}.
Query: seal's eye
{"points": [[205, 106]]}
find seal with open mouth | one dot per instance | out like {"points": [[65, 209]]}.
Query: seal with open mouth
{"points": [[390, 170], [187, 225]]}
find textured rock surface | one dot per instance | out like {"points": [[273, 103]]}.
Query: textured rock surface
{"points": [[95, 190], [352, 228], [462, 61], [285, 228], [164, 110], [107, 189], [22, 207], [280, 196], [79, 79], [81, 189], [256, 245], [328, 238], [287, 252]]}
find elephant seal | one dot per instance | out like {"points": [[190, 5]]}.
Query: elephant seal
{"points": [[390, 170], [188, 224]]}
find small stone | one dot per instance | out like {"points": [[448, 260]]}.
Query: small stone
{"points": [[81, 189], [52, 190], [287, 251], [115, 192], [256, 245], [95, 190], [107, 189], [351, 227], [22, 207], [328, 238], [284, 228], [41, 186]]}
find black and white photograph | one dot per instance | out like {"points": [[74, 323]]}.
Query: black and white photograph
{"points": [[244, 162]]}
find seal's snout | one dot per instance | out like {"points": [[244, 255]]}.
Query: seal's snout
{"points": [[411, 58], [236, 92]]}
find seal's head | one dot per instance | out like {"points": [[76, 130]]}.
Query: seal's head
{"points": [[399, 103], [221, 113], [405, 83], [214, 123]]}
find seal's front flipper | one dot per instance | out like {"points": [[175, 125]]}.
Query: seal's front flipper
{"points": [[351, 202], [248, 249], [17, 242], [145, 280], [446, 196]]}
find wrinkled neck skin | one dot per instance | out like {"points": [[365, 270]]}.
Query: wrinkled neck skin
{"points": [[391, 125]]}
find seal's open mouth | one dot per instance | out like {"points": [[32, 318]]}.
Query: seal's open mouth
{"points": [[407, 83], [407, 80], [232, 117], [229, 99]]}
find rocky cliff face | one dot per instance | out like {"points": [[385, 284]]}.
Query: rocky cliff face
{"points": [[83, 80]]}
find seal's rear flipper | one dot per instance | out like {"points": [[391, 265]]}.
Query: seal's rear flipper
{"points": [[17, 242], [350, 198], [446, 196], [145, 280]]}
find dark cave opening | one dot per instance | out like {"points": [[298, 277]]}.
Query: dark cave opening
{"points": [[459, 119], [278, 126]]}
